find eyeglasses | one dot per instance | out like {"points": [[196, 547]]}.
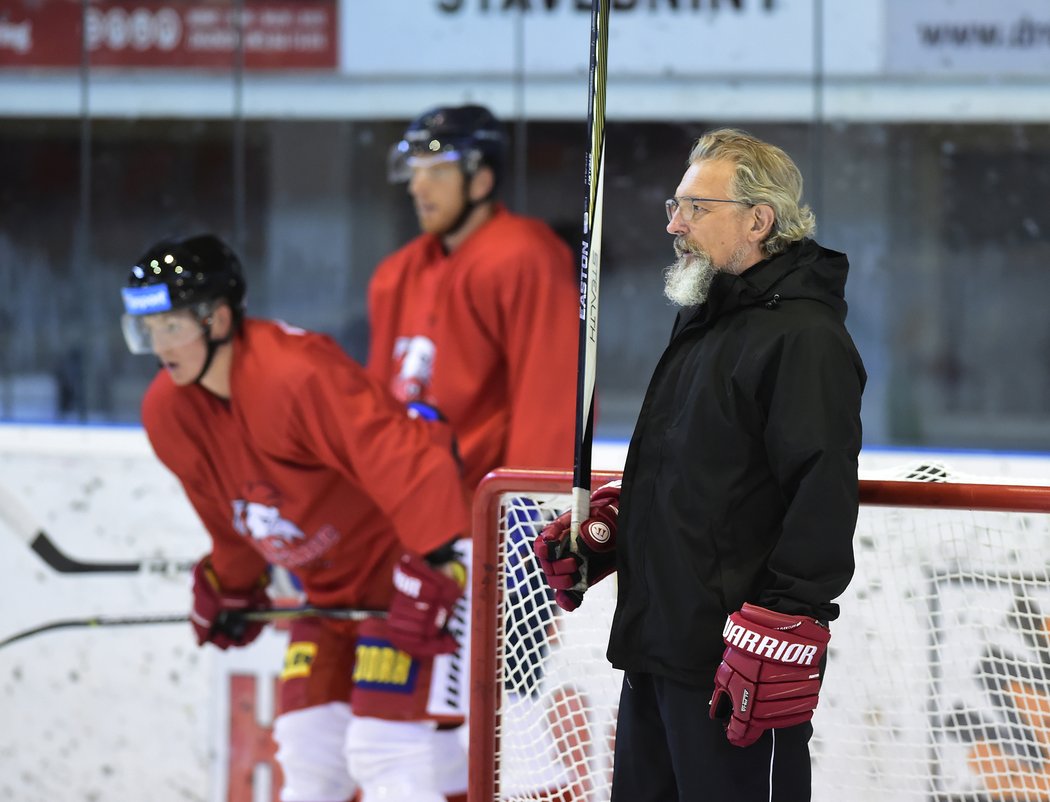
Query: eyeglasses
{"points": [[690, 207]]}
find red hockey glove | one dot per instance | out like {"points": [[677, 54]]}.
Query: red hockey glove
{"points": [[214, 615], [423, 600], [572, 568], [770, 672]]}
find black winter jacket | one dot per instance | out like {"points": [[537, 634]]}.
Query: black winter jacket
{"points": [[740, 483]]}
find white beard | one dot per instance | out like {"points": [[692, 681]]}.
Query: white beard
{"points": [[688, 280]]}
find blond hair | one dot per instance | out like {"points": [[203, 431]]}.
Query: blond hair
{"points": [[764, 174]]}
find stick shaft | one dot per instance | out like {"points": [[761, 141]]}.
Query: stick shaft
{"points": [[590, 262], [274, 614]]}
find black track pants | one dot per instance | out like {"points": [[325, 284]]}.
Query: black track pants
{"points": [[668, 750]]}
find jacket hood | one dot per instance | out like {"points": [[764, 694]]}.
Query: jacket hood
{"points": [[805, 270]]}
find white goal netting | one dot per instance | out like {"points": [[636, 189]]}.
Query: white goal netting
{"points": [[938, 679]]}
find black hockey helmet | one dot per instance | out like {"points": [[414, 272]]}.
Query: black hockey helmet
{"points": [[190, 273], [468, 134]]}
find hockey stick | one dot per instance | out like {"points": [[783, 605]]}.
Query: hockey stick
{"points": [[590, 264], [21, 521], [276, 614]]}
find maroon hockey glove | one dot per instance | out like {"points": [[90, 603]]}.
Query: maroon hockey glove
{"points": [[770, 672], [215, 616], [572, 568], [423, 600]]}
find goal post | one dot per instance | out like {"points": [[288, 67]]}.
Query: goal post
{"points": [[938, 680]]}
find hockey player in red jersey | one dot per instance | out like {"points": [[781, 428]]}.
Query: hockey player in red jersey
{"points": [[293, 456], [479, 314]]}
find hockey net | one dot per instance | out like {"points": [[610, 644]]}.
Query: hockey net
{"points": [[938, 680]]}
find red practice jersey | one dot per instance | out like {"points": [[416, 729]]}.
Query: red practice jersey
{"points": [[489, 335], [310, 465]]}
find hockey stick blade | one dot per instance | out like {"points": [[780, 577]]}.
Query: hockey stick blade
{"points": [[274, 614], [22, 523], [64, 564]]}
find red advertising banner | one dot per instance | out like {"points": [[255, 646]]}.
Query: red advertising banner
{"points": [[168, 34]]}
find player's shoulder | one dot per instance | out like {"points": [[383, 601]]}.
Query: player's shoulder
{"points": [[512, 242], [280, 354], [523, 230], [414, 254], [283, 375]]}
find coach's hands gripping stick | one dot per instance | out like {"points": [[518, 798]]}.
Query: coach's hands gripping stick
{"points": [[215, 611], [424, 597], [770, 672], [572, 568]]}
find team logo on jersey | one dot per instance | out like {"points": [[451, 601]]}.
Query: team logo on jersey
{"points": [[414, 362], [258, 515]]}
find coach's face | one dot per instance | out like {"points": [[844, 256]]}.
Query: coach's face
{"points": [[708, 222]]}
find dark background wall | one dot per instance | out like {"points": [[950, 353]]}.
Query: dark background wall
{"points": [[946, 227]]}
